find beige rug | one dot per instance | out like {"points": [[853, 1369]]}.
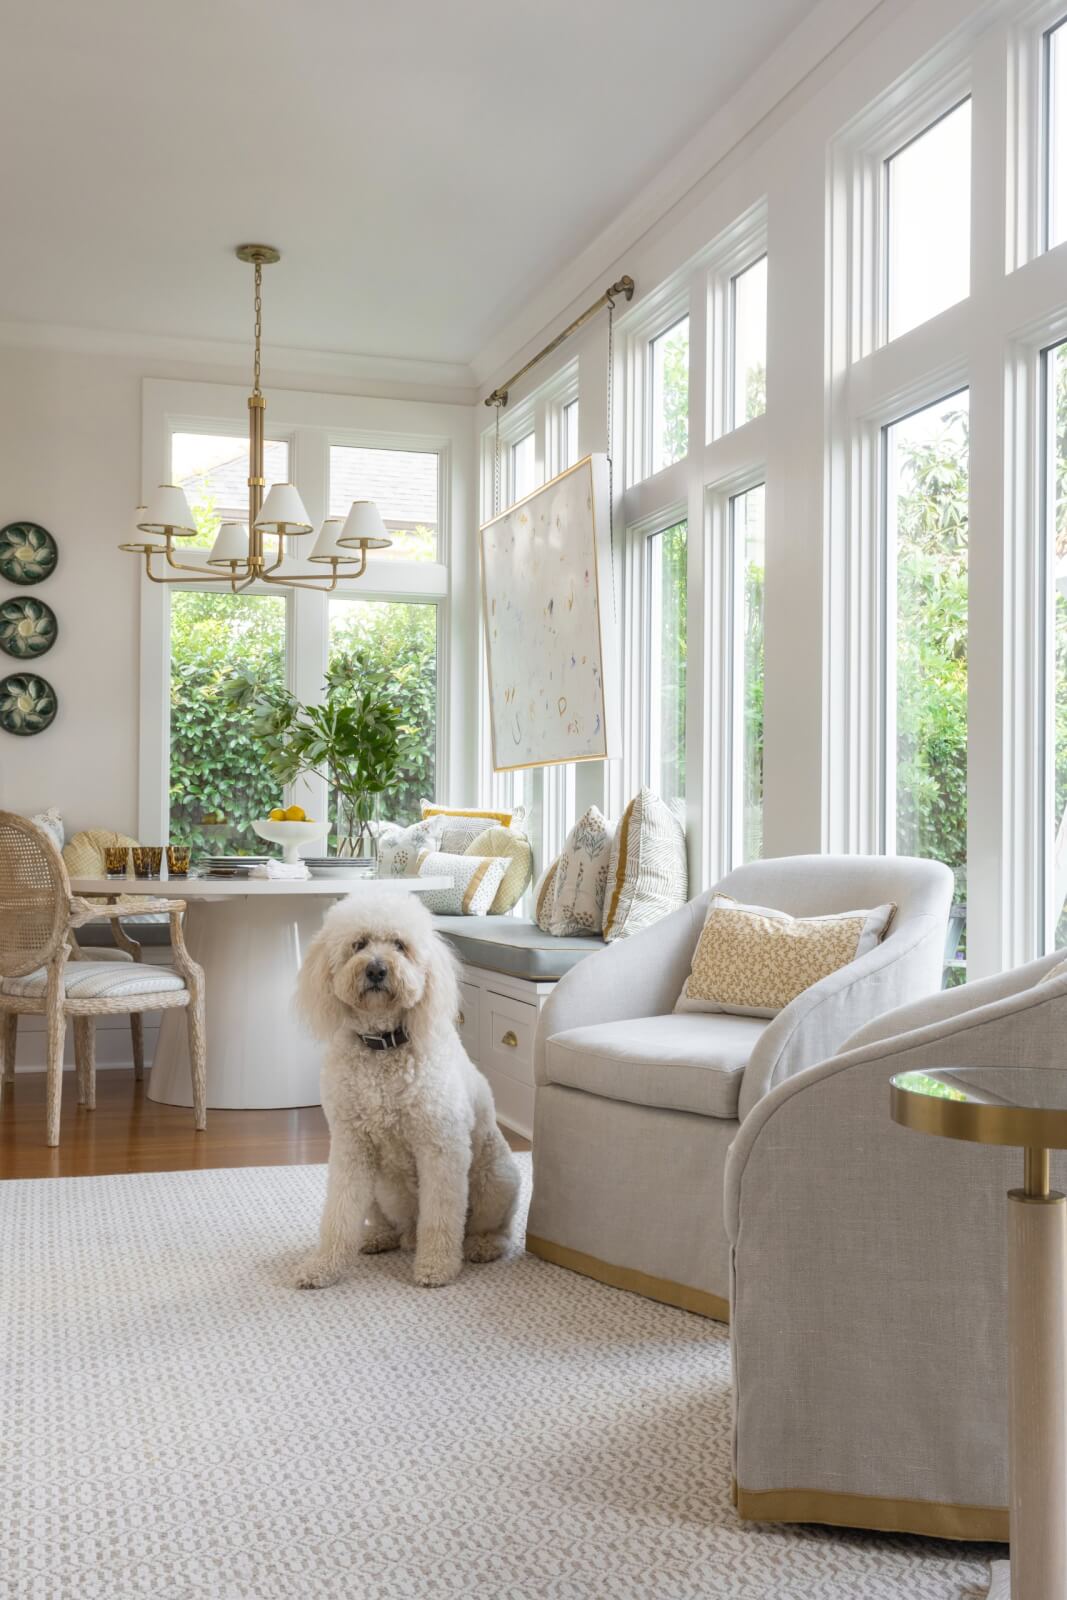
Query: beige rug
{"points": [[177, 1422]]}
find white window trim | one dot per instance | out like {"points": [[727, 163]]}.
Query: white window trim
{"points": [[655, 315], [737, 249], [310, 423]]}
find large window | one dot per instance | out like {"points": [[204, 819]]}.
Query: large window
{"points": [[216, 764], [747, 513], [748, 320], [1056, 155], [669, 395], [402, 484], [391, 647], [926, 519], [1056, 654], [665, 578], [928, 207], [212, 468]]}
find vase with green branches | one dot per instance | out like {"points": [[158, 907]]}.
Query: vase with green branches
{"points": [[356, 735]]}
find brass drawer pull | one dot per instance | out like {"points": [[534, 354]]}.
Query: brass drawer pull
{"points": [[461, 1019], [510, 1040]]}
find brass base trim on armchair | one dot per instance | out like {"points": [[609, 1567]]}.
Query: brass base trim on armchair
{"points": [[662, 1289], [933, 1518]]}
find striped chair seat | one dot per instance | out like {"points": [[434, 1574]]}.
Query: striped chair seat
{"points": [[95, 980]]}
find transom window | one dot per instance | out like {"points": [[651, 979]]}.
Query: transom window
{"points": [[669, 395], [748, 341], [212, 468], [570, 434], [402, 484], [523, 467], [928, 222]]}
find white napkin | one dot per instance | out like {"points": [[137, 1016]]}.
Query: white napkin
{"points": [[294, 870]]}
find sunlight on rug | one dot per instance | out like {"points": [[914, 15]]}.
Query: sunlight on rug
{"points": [[178, 1422]]}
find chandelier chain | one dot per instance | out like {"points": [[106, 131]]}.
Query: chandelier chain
{"points": [[259, 327]]}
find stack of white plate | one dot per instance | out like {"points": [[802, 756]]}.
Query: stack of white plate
{"points": [[227, 866], [340, 866]]}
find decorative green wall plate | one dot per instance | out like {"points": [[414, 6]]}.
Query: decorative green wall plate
{"points": [[28, 553], [27, 703], [28, 628]]}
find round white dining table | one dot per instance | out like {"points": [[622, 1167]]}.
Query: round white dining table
{"points": [[250, 936]]}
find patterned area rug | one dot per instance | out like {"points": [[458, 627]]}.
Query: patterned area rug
{"points": [[177, 1422]]}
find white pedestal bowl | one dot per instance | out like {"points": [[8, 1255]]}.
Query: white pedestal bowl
{"points": [[290, 835]]}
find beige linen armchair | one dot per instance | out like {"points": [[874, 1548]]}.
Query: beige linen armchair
{"points": [[637, 1105], [869, 1297], [43, 973]]}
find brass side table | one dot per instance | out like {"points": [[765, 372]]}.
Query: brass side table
{"points": [[1025, 1107]]}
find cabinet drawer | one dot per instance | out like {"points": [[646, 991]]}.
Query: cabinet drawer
{"points": [[507, 1036], [470, 998]]}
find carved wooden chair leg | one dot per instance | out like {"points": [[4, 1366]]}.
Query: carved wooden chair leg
{"points": [[79, 1058], [198, 1052], [85, 1055], [137, 1036], [57, 1033]]}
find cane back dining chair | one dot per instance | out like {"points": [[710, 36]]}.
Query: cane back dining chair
{"points": [[42, 972]]}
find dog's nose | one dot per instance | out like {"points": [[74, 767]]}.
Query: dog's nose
{"points": [[377, 971]]}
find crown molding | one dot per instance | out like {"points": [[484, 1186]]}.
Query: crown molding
{"points": [[432, 380], [822, 32]]}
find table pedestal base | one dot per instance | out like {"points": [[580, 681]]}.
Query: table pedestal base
{"points": [[1037, 1236], [258, 1057]]}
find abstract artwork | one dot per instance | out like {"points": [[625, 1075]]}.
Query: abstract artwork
{"points": [[550, 623]]}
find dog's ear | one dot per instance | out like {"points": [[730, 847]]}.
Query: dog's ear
{"points": [[439, 1005], [317, 1005]]}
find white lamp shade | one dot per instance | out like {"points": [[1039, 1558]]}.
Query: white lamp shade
{"points": [[283, 511], [327, 546], [231, 544], [364, 525], [168, 512]]}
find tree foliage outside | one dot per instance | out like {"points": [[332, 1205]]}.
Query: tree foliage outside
{"points": [[673, 425]]}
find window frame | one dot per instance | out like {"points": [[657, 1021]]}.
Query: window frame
{"points": [[733, 421], [885, 334]]}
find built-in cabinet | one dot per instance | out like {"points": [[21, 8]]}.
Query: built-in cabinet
{"points": [[497, 1023]]}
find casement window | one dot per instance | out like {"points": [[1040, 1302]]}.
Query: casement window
{"points": [[1054, 369], [748, 342], [928, 222], [925, 547], [747, 561], [668, 396], [666, 654], [1055, 163]]}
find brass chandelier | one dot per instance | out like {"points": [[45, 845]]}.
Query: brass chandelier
{"points": [[240, 557]]}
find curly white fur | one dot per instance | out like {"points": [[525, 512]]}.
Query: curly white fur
{"points": [[416, 1157]]}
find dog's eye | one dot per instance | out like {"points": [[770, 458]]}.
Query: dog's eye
{"points": [[360, 944], [401, 946]]}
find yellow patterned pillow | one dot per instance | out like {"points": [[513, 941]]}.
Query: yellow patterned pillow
{"points": [[752, 960], [84, 853], [516, 847]]}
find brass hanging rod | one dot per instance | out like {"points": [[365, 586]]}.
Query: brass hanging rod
{"points": [[625, 287]]}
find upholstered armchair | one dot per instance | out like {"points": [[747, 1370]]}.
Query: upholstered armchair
{"points": [[637, 1105], [869, 1296]]}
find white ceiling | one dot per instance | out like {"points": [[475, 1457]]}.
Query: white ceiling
{"points": [[423, 165]]}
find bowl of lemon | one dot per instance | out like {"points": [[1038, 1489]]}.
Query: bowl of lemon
{"points": [[289, 826]]}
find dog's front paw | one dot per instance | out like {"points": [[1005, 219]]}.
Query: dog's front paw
{"points": [[432, 1272], [484, 1246], [316, 1273], [378, 1240]]}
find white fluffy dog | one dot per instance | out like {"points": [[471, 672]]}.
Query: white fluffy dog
{"points": [[416, 1158]]}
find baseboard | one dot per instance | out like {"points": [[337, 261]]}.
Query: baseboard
{"points": [[699, 1301], [931, 1518]]}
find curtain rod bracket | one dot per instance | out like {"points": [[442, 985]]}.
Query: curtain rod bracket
{"points": [[624, 287]]}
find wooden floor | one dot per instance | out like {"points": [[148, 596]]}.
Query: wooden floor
{"points": [[130, 1133]]}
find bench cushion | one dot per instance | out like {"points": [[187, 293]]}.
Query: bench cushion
{"points": [[514, 946], [680, 1063]]}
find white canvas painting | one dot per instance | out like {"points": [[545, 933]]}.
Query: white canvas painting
{"points": [[549, 623]]}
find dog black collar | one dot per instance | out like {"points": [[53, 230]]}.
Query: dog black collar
{"points": [[384, 1041]]}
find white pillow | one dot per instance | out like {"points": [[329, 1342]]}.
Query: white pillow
{"points": [[751, 961], [399, 848], [648, 876], [575, 903], [51, 822], [475, 881]]}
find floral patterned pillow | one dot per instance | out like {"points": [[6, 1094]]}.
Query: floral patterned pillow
{"points": [[575, 901], [399, 848]]}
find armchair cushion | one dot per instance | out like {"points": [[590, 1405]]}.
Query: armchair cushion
{"points": [[96, 980], [676, 1063]]}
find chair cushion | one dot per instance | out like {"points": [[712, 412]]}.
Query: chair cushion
{"points": [[514, 946], [97, 980], [679, 1062]]}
